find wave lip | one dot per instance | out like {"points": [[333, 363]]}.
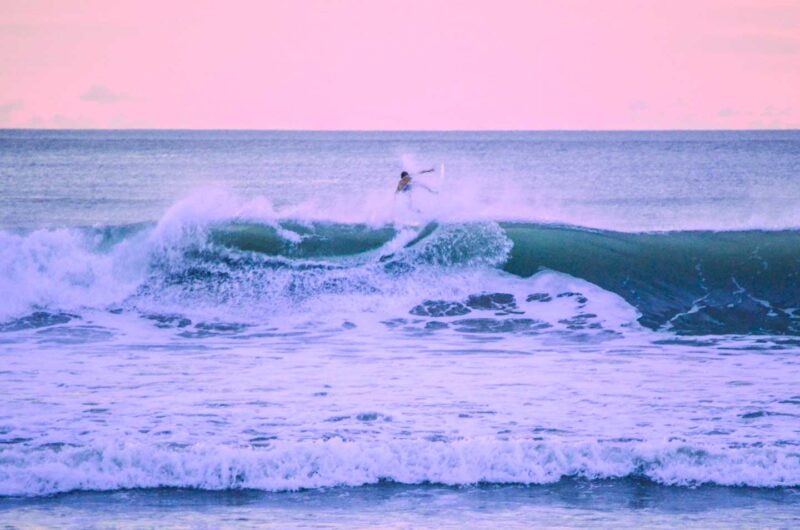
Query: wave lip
{"points": [[286, 466]]}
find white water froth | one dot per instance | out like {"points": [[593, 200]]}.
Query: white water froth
{"points": [[315, 464], [63, 269], [446, 201]]}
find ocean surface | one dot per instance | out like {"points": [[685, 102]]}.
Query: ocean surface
{"points": [[231, 329]]}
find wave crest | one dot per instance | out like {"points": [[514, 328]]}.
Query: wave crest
{"points": [[241, 256]]}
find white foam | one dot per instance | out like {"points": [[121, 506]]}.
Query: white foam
{"points": [[315, 464], [461, 201], [63, 269]]}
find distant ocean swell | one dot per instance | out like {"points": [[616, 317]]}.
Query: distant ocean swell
{"points": [[282, 466], [695, 283]]}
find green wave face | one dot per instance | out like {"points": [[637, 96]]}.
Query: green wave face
{"points": [[307, 240], [691, 282]]}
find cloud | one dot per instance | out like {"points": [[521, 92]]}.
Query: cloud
{"points": [[773, 17], [756, 44], [122, 121], [61, 121], [36, 123], [771, 112], [726, 113], [7, 110], [638, 106], [103, 95]]}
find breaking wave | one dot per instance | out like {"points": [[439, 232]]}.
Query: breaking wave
{"points": [[335, 462], [697, 283]]}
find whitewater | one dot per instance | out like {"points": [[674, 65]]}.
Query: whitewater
{"points": [[200, 315]]}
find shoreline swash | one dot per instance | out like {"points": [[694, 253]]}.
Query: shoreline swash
{"points": [[250, 324]]}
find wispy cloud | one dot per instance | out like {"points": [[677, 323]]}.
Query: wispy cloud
{"points": [[760, 15], [7, 110], [771, 112], [638, 106], [71, 122], [124, 121], [756, 44], [103, 95]]}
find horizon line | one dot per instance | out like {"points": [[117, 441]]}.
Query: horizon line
{"points": [[245, 129]]}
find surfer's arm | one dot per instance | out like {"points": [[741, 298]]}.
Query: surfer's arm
{"points": [[420, 184], [426, 187]]}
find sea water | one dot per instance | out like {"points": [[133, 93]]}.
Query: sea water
{"points": [[227, 329]]}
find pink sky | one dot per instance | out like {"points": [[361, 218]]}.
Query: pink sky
{"points": [[407, 64]]}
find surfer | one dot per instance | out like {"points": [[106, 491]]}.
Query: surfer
{"points": [[405, 186]]}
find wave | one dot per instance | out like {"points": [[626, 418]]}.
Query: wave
{"points": [[696, 283], [689, 282], [283, 466]]}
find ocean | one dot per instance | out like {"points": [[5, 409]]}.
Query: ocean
{"points": [[210, 329]]}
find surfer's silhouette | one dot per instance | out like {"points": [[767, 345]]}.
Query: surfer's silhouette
{"points": [[404, 186]]}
